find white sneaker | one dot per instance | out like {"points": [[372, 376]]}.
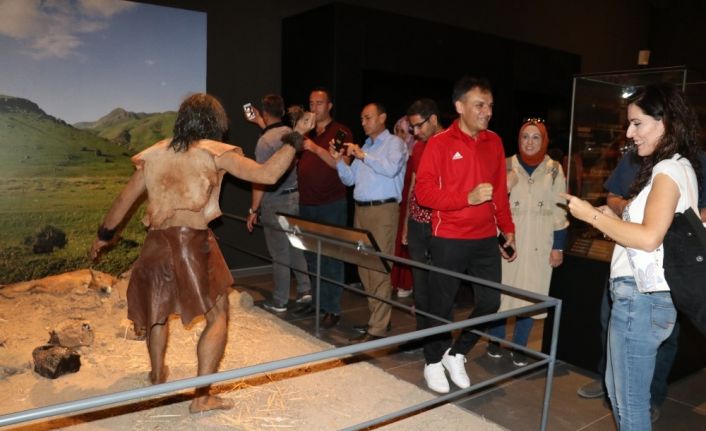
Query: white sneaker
{"points": [[436, 378], [457, 369], [404, 293]]}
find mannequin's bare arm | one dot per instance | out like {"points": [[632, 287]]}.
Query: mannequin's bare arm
{"points": [[249, 170]]}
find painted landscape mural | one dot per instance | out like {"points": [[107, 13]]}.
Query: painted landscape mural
{"points": [[66, 136]]}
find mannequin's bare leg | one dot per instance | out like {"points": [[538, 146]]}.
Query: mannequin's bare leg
{"points": [[210, 352]]}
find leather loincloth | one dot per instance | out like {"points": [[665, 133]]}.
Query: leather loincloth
{"points": [[180, 271]]}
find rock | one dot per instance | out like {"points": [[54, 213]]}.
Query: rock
{"points": [[72, 333], [55, 361], [101, 282]]}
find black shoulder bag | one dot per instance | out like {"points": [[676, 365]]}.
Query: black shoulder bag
{"points": [[685, 266]]}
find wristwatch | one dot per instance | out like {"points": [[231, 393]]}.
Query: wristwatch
{"points": [[252, 211]]}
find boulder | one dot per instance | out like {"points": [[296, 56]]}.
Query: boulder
{"points": [[72, 333], [54, 361]]}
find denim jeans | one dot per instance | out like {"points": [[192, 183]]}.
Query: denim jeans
{"points": [[666, 353], [334, 213], [639, 323], [523, 327], [283, 254]]}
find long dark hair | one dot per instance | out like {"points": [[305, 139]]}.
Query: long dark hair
{"points": [[200, 116], [681, 130]]}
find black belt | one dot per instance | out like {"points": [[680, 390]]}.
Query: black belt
{"points": [[374, 203], [288, 191]]}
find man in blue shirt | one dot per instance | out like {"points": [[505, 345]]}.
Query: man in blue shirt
{"points": [[377, 172]]}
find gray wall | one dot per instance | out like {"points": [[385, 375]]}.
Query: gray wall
{"points": [[244, 55]]}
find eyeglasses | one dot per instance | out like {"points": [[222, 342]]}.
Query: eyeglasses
{"points": [[418, 125], [533, 120]]}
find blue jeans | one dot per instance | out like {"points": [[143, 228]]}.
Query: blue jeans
{"points": [[334, 213], [283, 254], [666, 353], [639, 323], [523, 326]]}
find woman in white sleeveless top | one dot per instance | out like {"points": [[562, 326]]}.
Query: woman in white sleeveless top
{"points": [[665, 130]]}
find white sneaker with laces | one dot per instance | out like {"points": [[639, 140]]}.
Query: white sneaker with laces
{"points": [[457, 369], [436, 378]]}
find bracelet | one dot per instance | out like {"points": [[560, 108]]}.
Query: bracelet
{"points": [[105, 234]]}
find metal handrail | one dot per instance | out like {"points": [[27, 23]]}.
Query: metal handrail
{"points": [[544, 303]]}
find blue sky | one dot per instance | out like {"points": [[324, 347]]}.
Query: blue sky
{"points": [[80, 59]]}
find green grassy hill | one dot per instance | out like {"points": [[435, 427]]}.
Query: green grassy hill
{"points": [[133, 131], [54, 174], [33, 144]]}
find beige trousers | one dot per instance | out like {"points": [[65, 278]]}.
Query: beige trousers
{"points": [[381, 221]]}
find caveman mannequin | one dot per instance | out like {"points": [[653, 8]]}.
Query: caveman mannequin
{"points": [[181, 269]]}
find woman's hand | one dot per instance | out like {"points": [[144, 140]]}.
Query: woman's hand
{"points": [[556, 258], [605, 209], [580, 208], [306, 123]]}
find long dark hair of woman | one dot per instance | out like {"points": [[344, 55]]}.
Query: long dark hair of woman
{"points": [[681, 130], [200, 116]]}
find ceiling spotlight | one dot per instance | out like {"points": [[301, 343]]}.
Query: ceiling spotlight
{"points": [[627, 92]]}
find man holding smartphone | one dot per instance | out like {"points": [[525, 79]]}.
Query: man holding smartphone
{"points": [[267, 201], [462, 178], [322, 198], [377, 172]]}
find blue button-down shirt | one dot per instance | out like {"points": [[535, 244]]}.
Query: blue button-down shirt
{"points": [[380, 175]]}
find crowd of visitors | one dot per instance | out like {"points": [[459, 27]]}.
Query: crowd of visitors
{"points": [[446, 197]]}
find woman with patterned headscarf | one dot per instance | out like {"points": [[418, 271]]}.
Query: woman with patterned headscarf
{"points": [[534, 182]]}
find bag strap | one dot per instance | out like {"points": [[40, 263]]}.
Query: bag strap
{"points": [[692, 197]]}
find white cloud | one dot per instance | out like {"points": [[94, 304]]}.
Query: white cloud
{"points": [[58, 45], [19, 18], [52, 28], [104, 8]]}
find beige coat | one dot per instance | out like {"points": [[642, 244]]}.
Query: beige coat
{"points": [[533, 203]]}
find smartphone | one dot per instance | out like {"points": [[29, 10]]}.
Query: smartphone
{"points": [[338, 140], [501, 240], [249, 111]]}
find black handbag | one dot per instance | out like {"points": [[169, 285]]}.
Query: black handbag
{"points": [[685, 266]]}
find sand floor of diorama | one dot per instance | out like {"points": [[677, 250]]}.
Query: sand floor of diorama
{"points": [[324, 396]]}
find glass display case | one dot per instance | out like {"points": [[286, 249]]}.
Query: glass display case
{"points": [[597, 140]]}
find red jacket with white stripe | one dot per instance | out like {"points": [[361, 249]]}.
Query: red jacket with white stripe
{"points": [[453, 164]]}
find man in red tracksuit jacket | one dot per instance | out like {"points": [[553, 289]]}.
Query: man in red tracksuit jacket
{"points": [[462, 178]]}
